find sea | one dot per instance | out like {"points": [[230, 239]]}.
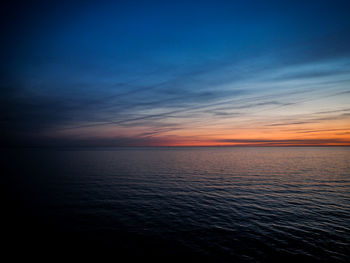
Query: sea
{"points": [[177, 204]]}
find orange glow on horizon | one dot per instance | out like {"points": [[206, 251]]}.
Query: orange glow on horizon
{"points": [[215, 132]]}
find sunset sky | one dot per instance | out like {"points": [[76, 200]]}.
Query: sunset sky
{"points": [[179, 73]]}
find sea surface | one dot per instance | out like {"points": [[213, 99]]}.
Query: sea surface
{"points": [[215, 204]]}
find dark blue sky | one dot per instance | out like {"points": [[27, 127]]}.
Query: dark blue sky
{"points": [[162, 73]]}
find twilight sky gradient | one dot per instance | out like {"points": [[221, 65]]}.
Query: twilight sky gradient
{"points": [[164, 73]]}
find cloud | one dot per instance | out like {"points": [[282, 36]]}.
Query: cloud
{"points": [[69, 80]]}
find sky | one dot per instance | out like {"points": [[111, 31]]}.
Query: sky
{"points": [[174, 73]]}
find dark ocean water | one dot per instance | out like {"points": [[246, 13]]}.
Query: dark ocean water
{"points": [[182, 204]]}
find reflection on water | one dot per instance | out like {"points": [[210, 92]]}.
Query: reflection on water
{"points": [[223, 204]]}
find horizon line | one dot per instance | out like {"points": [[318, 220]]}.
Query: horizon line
{"points": [[168, 146]]}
